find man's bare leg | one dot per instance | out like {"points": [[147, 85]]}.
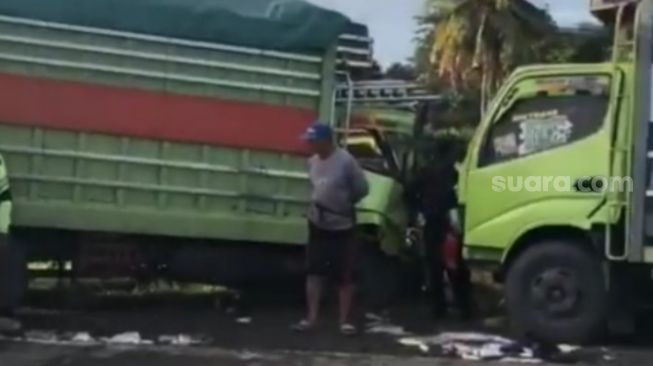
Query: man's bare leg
{"points": [[314, 286], [345, 299]]}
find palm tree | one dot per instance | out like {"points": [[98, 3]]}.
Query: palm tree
{"points": [[480, 41]]}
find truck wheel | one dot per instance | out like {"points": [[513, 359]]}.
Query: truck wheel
{"points": [[555, 292]]}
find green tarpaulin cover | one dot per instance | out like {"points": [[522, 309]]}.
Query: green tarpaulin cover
{"points": [[285, 25]]}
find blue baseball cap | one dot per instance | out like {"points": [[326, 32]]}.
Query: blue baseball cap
{"points": [[318, 132]]}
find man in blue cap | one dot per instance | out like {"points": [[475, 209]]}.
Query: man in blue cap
{"points": [[337, 185]]}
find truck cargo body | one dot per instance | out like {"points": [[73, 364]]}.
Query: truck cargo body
{"points": [[121, 133], [176, 140]]}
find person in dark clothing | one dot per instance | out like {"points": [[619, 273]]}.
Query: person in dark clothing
{"points": [[12, 284], [432, 193], [437, 233]]}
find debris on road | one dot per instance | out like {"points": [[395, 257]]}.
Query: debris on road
{"points": [[412, 342], [393, 330], [8, 325], [379, 324], [566, 348], [249, 356], [83, 338], [485, 352], [375, 318], [244, 320], [179, 340], [43, 337], [487, 347], [132, 338]]}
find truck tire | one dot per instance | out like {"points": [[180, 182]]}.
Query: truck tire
{"points": [[556, 292]]}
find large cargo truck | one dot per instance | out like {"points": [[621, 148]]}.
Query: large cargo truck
{"points": [[163, 137], [553, 191]]}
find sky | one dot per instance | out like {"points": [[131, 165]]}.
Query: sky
{"points": [[392, 23]]}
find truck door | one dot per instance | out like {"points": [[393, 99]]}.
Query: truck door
{"points": [[540, 158]]}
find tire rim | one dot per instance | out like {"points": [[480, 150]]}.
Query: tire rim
{"points": [[555, 292]]}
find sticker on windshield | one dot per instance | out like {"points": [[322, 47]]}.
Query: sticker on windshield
{"points": [[506, 145], [544, 133]]}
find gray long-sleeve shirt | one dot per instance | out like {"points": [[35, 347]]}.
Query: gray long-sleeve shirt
{"points": [[338, 183]]}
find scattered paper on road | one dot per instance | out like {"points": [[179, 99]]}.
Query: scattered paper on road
{"points": [[566, 348], [9, 325], [480, 347], [179, 340], [83, 338], [244, 320], [393, 330], [249, 356], [129, 338], [412, 342]]}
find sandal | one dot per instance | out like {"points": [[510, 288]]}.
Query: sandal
{"points": [[347, 329], [303, 326]]}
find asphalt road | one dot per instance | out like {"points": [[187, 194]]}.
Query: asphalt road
{"points": [[21, 354], [101, 333], [31, 354]]}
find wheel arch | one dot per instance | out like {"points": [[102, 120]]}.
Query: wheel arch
{"points": [[575, 235]]}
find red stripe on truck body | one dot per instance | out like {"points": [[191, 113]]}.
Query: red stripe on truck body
{"points": [[138, 113]]}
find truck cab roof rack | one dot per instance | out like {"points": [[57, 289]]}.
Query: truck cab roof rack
{"points": [[384, 92], [605, 9]]}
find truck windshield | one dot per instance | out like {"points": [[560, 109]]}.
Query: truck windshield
{"points": [[543, 123]]}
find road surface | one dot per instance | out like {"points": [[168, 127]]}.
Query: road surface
{"points": [[188, 332], [26, 354]]}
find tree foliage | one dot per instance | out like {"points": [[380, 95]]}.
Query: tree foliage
{"points": [[587, 43], [477, 42], [401, 71], [468, 47]]}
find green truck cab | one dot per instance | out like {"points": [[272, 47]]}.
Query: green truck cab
{"points": [[552, 191]]}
